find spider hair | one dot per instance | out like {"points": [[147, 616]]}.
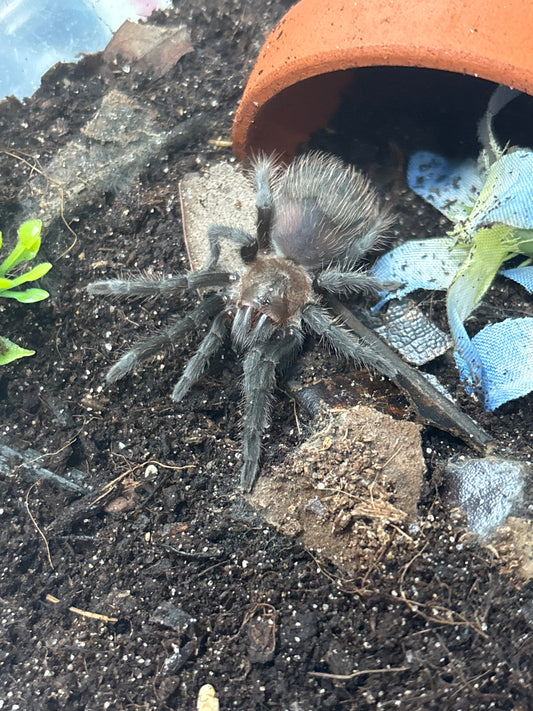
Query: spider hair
{"points": [[316, 220]]}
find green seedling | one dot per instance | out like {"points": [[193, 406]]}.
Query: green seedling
{"points": [[11, 278]]}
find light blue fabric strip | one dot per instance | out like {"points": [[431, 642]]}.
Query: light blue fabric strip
{"points": [[419, 264], [449, 186], [506, 351], [522, 275], [507, 196]]}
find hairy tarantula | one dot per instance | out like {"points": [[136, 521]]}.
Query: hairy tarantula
{"points": [[315, 220]]}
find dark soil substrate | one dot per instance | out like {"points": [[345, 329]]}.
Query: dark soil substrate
{"points": [[191, 586]]}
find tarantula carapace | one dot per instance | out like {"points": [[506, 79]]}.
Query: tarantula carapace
{"points": [[316, 219]]}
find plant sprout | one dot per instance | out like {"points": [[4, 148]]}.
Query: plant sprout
{"points": [[11, 278], [490, 203]]}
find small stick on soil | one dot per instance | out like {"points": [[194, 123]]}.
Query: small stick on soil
{"points": [[295, 413], [359, 672], [456, 618], [336, 579], [269, 611], [83, 613], [37, 168], [220, 142], [27, 505], [108, 488], [192, 555], [407, 565]]}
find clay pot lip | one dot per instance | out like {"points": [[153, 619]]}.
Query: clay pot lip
{"points": [[291, 54], [265, 86]]}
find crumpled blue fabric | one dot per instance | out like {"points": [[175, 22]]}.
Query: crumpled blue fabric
{"points": [[507, 194], [522, 275], [451, 187], [419, 264], [490, 202], [502, 354], [468, 192]]}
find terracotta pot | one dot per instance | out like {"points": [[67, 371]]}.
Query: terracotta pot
{"points": [[315, 50]]}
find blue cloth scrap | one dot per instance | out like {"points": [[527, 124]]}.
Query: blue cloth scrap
{"points": [[522, 275], [507, 195], [506, 351], [419, 264], [497, 363], [451, 187]]}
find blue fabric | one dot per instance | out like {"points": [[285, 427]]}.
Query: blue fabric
{"points": [[507, 195], [522, 275], [497, 363], [419, 264], [486, 489], [505, 350], [449, 186]]}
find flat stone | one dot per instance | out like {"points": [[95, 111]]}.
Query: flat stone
{"points": [[362, 471], [223, 196]]}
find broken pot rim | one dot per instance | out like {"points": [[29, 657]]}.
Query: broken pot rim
{"points": [[291, 55]]}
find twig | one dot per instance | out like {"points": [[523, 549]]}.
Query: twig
{"points": [[37, 168], [294, 410], [459, 620], [407, 566], [27, 504], [359, 672], [83, 613], [270, 611], [336, 579], [192, 555], [108, 488]]}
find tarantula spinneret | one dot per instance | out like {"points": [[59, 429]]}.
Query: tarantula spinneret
{"points": [[316, 219]]}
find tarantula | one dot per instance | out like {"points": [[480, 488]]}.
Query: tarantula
{"points": [[315, 220]]}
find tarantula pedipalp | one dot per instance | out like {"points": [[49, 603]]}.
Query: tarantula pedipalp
{"points": [[316, 220]]}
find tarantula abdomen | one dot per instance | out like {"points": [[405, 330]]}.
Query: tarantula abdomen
{"points": [[316, 219]]}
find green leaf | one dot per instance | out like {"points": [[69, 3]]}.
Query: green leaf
{"points": [[523, 240], [28, 244], [29, 296], [29, 234], [9, 351], [490, 249], [33, 274], [38, 271]]}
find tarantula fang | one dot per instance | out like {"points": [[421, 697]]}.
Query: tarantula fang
{"points": [[316, 219]]}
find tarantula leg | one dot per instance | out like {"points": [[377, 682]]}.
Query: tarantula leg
{"points": [[214, 250], [259, 380], [233, 234], [248, 243], [380, 223], [336, 281], [195, 367], [160, 285], [342, 341], [263, 169], [208, 308]]}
